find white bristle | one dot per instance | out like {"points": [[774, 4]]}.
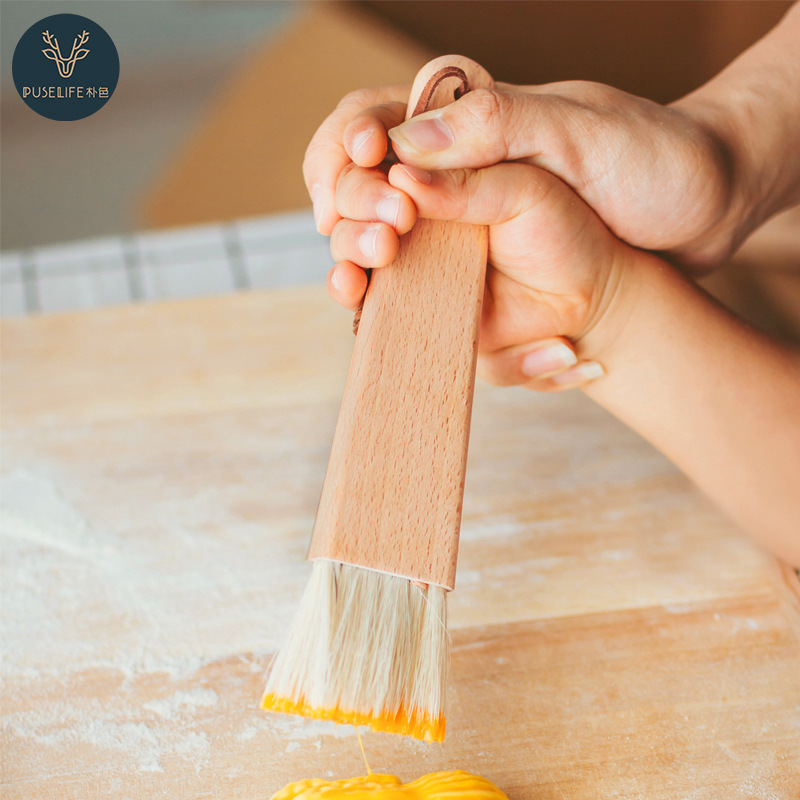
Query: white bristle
{"points": [[364, 643]]}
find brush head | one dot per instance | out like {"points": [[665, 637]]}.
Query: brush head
{"points": [[365, 648]]}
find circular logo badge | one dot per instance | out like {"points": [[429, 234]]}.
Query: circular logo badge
{"points": [[65, 67]]}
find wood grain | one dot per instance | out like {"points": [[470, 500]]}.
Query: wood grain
{"points": [[613, 635], [394, 489], [656, 704]]}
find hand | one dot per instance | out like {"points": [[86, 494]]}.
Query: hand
{"points": [[657, 176], [555, 272], [692, 179], [354, 134], [660, 177]]}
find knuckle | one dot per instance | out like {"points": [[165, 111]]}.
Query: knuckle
{"points": [[592, 92], [343, 191], [357, 99], [483, 105], [492, 370], [460, 187], [345, 176], [356, 187], [338, 240], [586, 95], [491, 111], [317, 153]]}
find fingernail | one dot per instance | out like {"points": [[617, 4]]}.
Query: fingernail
{"points": [[360, 141], [431, 133], [318, 202], [582, 373], [367, 242], [416, 174], [335, 282], [548, 359], [388, 209]]}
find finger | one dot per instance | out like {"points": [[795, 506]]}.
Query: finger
{"points": [[490, 196], [519, 364], [583, 373], [326, 155], [365, 194], [347, 284], [487, 126], [484, 127], [366, 244], [546, 366], [323, 162], [365, 138], [544, 224]]}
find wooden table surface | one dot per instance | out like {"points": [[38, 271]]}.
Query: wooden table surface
{"points": [[613, 635]]}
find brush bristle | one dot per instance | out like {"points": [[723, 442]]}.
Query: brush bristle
{"points": [[365, 648]]}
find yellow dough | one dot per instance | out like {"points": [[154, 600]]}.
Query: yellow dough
{"points": [[457, 785]]}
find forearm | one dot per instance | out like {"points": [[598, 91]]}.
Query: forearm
{"points": [[720, 399], [752, 110]]}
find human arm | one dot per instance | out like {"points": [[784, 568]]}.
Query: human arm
{"points": [[715, 396], [692, 179]]}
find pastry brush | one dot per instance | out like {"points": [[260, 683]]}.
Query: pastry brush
{"points": [[369, 644]]}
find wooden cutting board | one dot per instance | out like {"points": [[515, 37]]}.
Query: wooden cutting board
{"points": [[613, 635]]}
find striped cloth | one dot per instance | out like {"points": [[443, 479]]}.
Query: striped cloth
{"points": [[265, 252]]}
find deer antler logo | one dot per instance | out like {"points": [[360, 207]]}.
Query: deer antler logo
{"points": [[65, 65]]}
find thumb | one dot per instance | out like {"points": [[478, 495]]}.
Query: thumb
{"points": [[484, 127]]}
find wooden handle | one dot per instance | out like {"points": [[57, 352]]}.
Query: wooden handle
{"points": [[394, 488]]}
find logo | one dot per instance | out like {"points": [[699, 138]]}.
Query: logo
{"points": [[50, 79], [65, 65]]}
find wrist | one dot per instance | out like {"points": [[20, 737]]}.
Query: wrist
{"points": [[751, 120], [606, 329], [740, 190]]}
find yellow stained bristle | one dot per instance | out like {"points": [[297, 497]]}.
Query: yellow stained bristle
{"points": [[364, 649], [420, 726]]}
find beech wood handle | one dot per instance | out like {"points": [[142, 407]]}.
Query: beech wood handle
{"points": [[394, 488]]}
